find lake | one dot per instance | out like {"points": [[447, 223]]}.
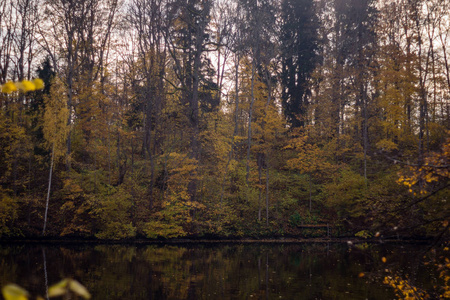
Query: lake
{"points": [[217, 270]]}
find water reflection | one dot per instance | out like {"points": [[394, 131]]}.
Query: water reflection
{"points": [[209, 271], [45, 273]]}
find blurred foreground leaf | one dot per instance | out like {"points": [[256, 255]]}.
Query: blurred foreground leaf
{"points": [[58, 289], [14, 292], [68, 285], [79, 289]]}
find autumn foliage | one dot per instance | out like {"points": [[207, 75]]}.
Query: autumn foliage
{"points": [[167, 119]]}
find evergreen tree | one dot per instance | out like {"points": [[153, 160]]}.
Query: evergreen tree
{"points": [[299, 43]]}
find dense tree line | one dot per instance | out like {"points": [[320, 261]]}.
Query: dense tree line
{"points": [[168, 118]]}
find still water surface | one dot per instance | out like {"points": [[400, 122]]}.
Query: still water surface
{"points": [[214, 271]]}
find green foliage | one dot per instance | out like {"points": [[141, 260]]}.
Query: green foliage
{"points": [[8, 212], [220, 220], [307, 219], [15, 148], [346, 195], [157, 229], [364, 234], [295, 219], [74, 207], [113, 212], [174, 218]]}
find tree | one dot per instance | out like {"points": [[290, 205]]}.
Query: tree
{"points": [[76, 37], [6, 29], [309, 158], [55, 129], [185, 35], [257, 29], [147, 20], [396, 84], [28, 16], [299, 43]]}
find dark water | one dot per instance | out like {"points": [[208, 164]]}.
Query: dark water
{"points": [[215, 271]]}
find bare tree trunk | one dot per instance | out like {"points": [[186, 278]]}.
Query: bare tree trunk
{"points": [[260, 187], [109, 155], [194, 107], [266, 155], [446, 59], [48, 189], [250, 116], [310, 193], [422, 95], [236, 123], [365, 134], [267, 193]]}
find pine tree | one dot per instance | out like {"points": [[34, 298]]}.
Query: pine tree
{"points": [[299, 45]]}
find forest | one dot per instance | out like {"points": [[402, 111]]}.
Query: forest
{"points": [[224, 118]]}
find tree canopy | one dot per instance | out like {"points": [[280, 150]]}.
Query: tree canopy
{"points": [[170, 118]]}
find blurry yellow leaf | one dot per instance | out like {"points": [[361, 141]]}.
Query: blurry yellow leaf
{"points": [[26, 86], [57, 292], [383, 259], [9, 87], [14, 292], [58, 289], [38, 83], [79, 289], [361, 275], [62, 287]]}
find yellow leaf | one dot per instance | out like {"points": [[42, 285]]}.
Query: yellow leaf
{"points": [[14, 292], [58, 289], [383, 259], [26, 86], [61, 288], [79, 289], [38, 83], [361, 275], [9, 87]]}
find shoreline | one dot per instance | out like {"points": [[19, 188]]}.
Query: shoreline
{"points": [[245, 240]]}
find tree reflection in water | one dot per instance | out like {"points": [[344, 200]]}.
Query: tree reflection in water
{"points": [[214, 271]]}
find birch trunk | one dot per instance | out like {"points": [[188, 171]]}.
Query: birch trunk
{"points": [[48, 189]]}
